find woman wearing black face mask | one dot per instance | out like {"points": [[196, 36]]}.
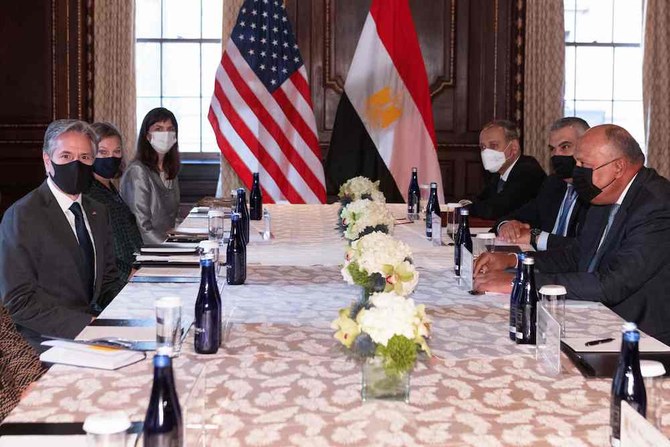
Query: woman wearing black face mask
{"points": [[127, 238]]}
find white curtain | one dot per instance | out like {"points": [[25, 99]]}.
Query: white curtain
{"points": [[544, 74], [114, 98]]}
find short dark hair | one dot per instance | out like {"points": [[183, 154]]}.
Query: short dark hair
{"points": [[624, 142], [570, 121], [147, 155], [510, 129], [104, 130]]}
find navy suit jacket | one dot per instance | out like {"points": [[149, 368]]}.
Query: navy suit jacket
{"points": [[522, 185], [41, 284], [542, 211], [633, 273]]}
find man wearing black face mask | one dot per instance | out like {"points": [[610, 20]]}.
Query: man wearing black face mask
{"points": [[622, 255], [553, 218], [57, 265]]}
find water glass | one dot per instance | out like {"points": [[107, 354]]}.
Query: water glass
{"points": [[215, 219], [107, 429], [486, 242], [168, 323], [553, 299], [653, 373], [213, 248], [425, 192], [452, 219]]}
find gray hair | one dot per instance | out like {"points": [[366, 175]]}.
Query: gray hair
{"points": [[570, 121], [510, 129], [624, 142], [60, 127]]}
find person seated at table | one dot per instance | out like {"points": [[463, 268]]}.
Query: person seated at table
{"points": [[552, 218], [622, 255], [57, 263], [19, 365], [127, 238], [150, 186], [516, 178]]}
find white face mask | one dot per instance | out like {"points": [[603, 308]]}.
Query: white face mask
{"points": [[493, 159], [162, 142]]}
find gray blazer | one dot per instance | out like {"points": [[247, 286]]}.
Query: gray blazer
{"points": [[40, 261], [154, 205]]}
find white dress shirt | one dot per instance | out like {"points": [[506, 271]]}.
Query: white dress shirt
{"points": [[65, 203]]}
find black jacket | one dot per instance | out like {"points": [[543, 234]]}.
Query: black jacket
{"points": [[542, 211], [633, 274], [521, 186], [40, 264]]}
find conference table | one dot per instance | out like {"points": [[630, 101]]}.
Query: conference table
{"points": [[281, 379]]}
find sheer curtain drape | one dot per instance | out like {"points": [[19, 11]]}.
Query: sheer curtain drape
{"points": [[228, 179], [114, 97], [656, 84], [544, 74]]}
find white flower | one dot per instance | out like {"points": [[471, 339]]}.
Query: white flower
{"points": [[357, 187], [360, 215], [390, 315]]}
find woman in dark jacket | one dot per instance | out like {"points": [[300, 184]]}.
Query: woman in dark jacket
{"points": [[127, 238]]}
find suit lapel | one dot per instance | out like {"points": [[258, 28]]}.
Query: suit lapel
{"points": [[63, 230]]}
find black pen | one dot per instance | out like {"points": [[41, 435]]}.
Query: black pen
{"points": [[598, 342]]}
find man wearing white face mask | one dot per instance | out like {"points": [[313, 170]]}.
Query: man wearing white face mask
{"points": [[150, 186], [516, 178]]}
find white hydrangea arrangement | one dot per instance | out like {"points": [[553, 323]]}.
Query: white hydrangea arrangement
{"points": [[379, 262], [360, 188], [365, 216], [390, 326]]}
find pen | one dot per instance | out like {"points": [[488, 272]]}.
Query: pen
{"points": [[598, 342]]}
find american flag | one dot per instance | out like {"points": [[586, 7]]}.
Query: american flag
{"points": [[261, 110]]}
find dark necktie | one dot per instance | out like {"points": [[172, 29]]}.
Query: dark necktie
{"points": [[501, 185], [563, 219], [599, 253], [86, 247]]}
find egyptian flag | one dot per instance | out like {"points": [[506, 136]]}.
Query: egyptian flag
{"points": [[384, 122]]}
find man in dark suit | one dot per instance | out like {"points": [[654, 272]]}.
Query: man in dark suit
{"points": [[516, 178], [552, 218], [57, 264], [622, 255]]}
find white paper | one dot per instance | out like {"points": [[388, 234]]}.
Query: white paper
{"points": [[647, 344], [169, 272], [174, 258], [125, 332], [466, 269], [168, 249], [77, 354], [191, 230], [636, 431]]}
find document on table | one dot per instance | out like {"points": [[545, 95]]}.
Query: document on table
{"points": [[50, 440], [163, 272], [647, 344], [77, 354], [192, 259]]}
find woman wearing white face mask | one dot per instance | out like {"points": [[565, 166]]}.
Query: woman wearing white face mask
{"points": [[149, 185]]}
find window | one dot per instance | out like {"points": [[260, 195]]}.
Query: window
{"points": [[603, 63], [178, 48]]}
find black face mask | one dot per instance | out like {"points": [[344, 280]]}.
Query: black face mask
{"points": [[582, 180], [563, 165], [107, 167], [74, 177]]}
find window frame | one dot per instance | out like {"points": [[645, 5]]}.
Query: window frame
{"points": [[199, 155]]}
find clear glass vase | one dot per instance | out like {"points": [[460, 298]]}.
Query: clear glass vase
{"points": [[377, 383]]}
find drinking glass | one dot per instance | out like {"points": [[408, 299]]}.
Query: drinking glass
{"points": [[553, 299], [653, 373], [215, 218], [107, 429], [168, 323], [452, 219]]}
